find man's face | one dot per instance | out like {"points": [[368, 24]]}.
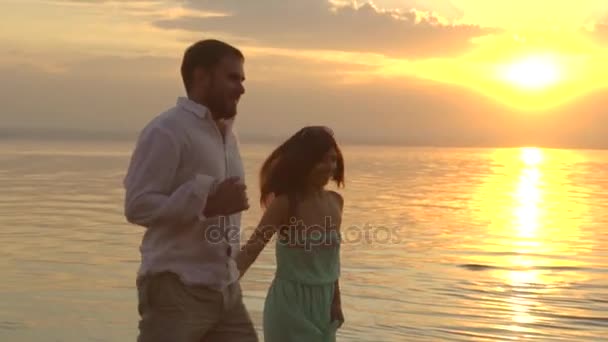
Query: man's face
{"points": [[224, 87]]}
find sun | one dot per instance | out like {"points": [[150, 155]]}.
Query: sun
{"points": [[532, 73], [531, 156]]}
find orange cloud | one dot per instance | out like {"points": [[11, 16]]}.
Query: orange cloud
{"points": [[320, 24]]}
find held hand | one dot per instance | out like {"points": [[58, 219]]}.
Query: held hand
{"points": [[241, 272], [229, 198]]}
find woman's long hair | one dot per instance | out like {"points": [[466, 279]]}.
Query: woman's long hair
{"points": [[287, 169]]}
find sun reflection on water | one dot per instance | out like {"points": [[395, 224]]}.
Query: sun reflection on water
{"points": [[530, 221], [528, 200]]}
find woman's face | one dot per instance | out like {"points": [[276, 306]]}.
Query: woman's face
{"points": [[323, 171]]}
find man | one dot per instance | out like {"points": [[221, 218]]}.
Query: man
{"points": [[185, 186]]}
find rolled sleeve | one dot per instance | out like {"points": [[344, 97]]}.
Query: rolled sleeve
{"points": [[204, 186], [149, 197]]}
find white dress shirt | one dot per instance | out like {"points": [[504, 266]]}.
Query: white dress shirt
{"points": [[179, 157]]}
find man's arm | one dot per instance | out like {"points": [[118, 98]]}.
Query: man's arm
{"points": [[149, 199]]}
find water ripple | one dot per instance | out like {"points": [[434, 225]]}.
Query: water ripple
{"points": [[485, 246]]}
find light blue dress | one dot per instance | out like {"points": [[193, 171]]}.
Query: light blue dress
{"points": [[298, 304]]}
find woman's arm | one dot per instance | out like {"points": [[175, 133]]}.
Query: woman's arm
{"points": [[337, 298], [272, 219], [336, 306]]}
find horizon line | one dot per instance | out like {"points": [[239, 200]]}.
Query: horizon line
{"points": [[253, 138]]}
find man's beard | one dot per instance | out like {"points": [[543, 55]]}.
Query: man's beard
{"points": [[219, 110], [218, 105]]}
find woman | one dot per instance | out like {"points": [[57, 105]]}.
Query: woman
{"points": [[303, 302]]}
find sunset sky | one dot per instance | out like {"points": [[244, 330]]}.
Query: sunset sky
{"points": [[440, 72]]}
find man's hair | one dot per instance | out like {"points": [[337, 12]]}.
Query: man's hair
{"points": [[206, 54]]}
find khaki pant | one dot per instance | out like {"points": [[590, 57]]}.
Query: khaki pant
{"points": [[173, 312]]}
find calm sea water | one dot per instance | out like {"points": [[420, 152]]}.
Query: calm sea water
{"points": [[439, 244]]}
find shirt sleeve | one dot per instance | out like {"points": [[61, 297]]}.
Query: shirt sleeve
{"points": [[150, 199]]}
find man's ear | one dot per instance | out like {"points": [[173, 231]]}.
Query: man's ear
{"points": [[202, 76]]}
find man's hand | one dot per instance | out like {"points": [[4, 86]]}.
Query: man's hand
{"points": [[228, 198]]}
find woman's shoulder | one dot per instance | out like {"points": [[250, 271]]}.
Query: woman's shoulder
{"points": [[336, 196], [279, 203]]}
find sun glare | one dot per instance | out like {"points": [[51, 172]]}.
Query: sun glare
{"points": [[532, 73], [531, 156]]}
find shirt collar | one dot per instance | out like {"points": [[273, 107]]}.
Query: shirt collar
{"points": [[193, 107], [200, 110]]}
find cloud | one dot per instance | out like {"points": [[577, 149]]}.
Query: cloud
{"points": [[598, 33], [113, 96], [524, 15], [319, 24], [112, 93], [444, 8], [146, 9], [99, 94]]}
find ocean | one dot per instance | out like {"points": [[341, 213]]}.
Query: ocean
{"points": [[439, 244]]}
